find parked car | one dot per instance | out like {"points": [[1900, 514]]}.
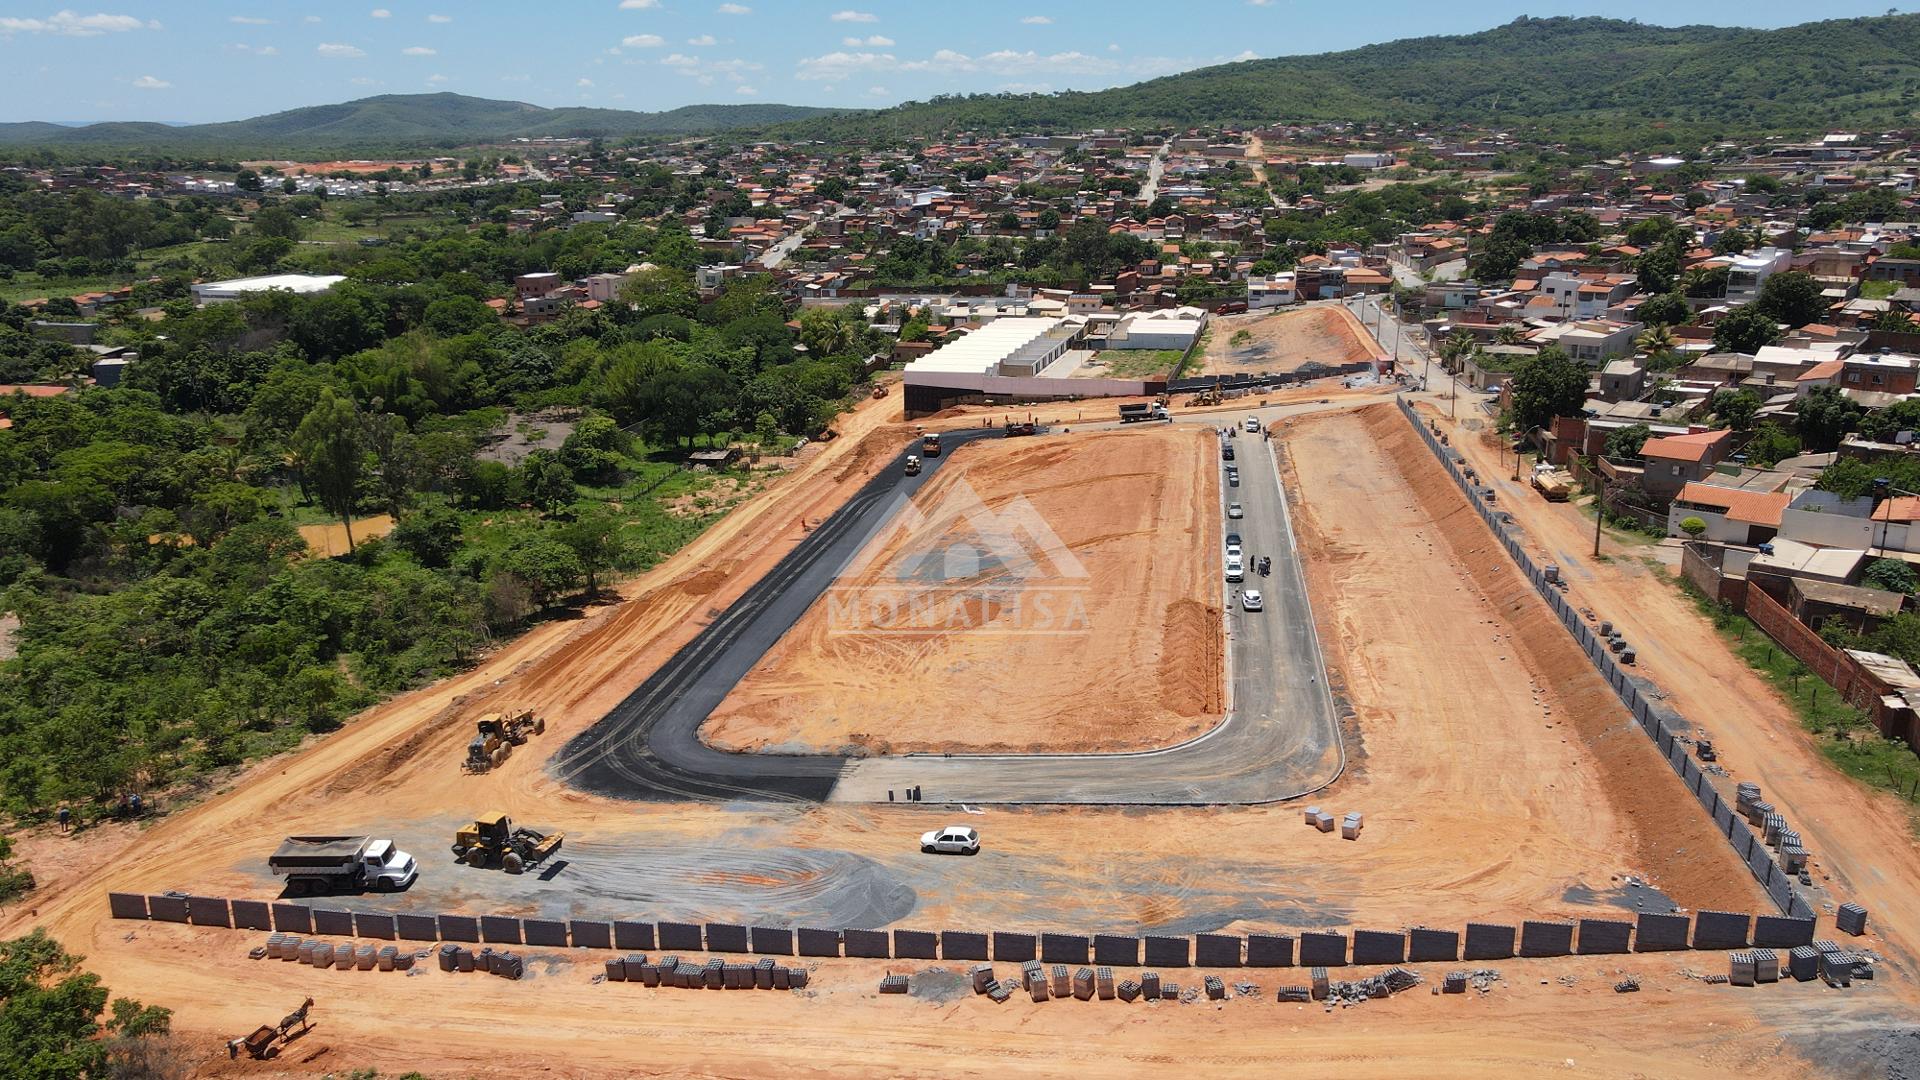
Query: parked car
{"points": [[1250, 600], [1236, 570], [1253, 423], [952, 840], [1234, 511]]}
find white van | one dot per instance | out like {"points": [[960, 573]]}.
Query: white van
{"points": [[1236, 570]]}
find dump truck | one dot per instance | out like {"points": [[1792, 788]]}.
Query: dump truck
{"points": [[1145, 410], [493, 840], [930, 444], [1555, 485], [328, 864], [496, 734]]}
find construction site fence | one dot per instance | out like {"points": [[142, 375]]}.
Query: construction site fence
{"points": [[1265, 380], [1660, 723], [1649, 932]]}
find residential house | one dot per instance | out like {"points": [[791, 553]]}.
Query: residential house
{"points": [[1674, 461]]}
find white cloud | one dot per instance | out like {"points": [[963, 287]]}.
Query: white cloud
{"points": [[439, 18], [419, 50], [148, 82], [381, 13], [871, 41], [876, 91], [746, 90], [1258, 3], [257, 50], [682, 61], [1037, 20], [850, 15], [436, 78], [249, 20], [336, 51], [1113, 46], [734, 9], [584, 82], [1244, 54], [73, 24], [703, 39], [643, 41], [638, 5], [311, 19]]}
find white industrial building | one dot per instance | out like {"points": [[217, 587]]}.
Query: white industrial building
{"points": [[1011, 346], [214, 292]]}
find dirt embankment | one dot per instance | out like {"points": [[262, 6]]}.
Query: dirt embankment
{"points": [[1658, 830], [965, 630], [1285, 340]]}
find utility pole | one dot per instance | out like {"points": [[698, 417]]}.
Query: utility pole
{"points": [[1599, 507]]}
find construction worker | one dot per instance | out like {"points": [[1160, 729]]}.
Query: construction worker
{"points": [[66, 818]]}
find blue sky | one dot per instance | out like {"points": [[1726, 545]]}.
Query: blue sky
{"points": [[229, 59]]}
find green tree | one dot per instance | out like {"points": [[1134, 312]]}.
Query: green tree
{"points": [[596, 541], [1745, 329], [545, 482], [1664, 309], [1693, 527], [592, 450], [1792, 297], [1883, 425], [1770, 445], [1824, 417], [548, 568], [1891, 575], [1736, 408], [1626, 443], [431, 536], [50, 1014], [1547, 385], [330, 450]]}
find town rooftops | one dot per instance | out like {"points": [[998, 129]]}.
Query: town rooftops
{"points": [[1898, 508]]}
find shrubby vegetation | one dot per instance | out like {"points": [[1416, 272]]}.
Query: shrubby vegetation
{"points": [[52, 1025], [172, 619]]}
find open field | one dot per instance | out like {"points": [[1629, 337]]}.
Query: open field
{"points": [[1130, 364], [1119, 650], [1284, 341], [1498, 777]]}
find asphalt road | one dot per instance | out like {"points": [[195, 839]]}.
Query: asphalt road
{"points": [[1280, 738]]}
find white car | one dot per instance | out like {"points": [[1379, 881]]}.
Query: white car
{"points": [[1250, 600], [1234, 511], [1235, 569], [1253, 423], [1233, 549], [952, 840]]}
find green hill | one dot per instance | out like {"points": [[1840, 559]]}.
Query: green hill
{"points": [[424, 120], [1566, 74]]}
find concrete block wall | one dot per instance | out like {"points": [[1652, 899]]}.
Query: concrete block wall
{"points": [[1316, 948], [1654, 719]]}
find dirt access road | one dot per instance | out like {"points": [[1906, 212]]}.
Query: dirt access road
{"points": [[1285, 340], [1862, 842], [944, 642], [1442, 789]]}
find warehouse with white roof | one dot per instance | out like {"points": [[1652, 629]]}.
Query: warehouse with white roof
{"points": [[1019, 359]]}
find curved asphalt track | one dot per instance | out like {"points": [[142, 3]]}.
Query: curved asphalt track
{"points": [[1279, 740]]}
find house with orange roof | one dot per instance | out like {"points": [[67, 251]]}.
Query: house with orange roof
{"points": [[1732, 515], [1674, 461]]}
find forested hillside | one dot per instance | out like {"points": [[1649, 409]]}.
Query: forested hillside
{"points": [[173, 619], [1591, 77], [397, 120]]}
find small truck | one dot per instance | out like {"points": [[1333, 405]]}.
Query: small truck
{"points": [[1145, 410], [1554, 485], [334, 864], [913, 465]]}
